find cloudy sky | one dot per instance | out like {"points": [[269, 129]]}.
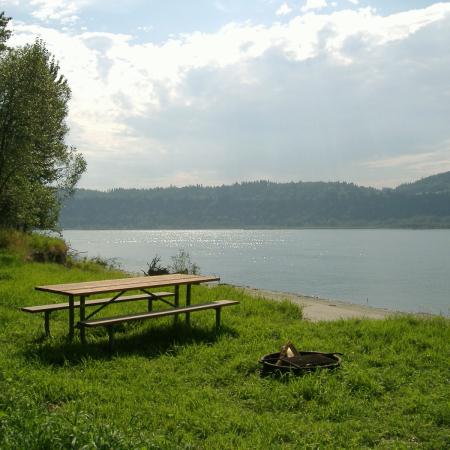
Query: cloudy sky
{"points": [[218, 91]]}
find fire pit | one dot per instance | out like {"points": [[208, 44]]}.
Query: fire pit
{"points": [[289, 360]]}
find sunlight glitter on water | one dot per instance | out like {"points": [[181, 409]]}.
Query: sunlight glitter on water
{"points": [[406, 270]]}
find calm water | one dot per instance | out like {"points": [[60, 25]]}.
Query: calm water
{"points": [[404, 270]]}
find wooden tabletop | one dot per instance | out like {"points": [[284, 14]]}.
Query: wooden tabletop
{"points": [[125, 284]]}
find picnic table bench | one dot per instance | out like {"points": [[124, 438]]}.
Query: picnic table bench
{"points": [[145, 285], [109, 322], [47, 309]]}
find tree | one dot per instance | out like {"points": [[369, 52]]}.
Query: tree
{"points": [[37, 168], [4, 32]]}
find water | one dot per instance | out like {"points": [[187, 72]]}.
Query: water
{"points": [[402, 270]]}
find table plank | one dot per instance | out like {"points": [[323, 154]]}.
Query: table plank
{"points": [[99, 283], [122, 284]]}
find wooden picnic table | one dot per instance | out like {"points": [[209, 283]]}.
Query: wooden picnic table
{"points": [[120, 286]]}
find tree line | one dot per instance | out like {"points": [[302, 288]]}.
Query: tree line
{"points": [[260, 204]]}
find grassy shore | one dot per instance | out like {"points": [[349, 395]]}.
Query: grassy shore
{"points": [[173, 387]]}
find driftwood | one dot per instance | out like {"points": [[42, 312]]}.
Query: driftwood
{"points": [[288, 350], [155, 268]]}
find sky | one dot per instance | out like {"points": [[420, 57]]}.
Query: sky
{"points": [[215, 92]]}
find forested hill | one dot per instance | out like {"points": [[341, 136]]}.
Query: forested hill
{"points": [[263, 204], [436, 184]]}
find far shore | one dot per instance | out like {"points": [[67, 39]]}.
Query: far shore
{"points": [[319, 309]]}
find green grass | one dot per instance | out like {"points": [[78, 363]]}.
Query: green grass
{"points": [[172, 387]]}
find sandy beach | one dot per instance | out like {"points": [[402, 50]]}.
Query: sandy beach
{"points": [[318, 309]]}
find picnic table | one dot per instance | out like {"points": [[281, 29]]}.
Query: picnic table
{"points": [[145, 285]]}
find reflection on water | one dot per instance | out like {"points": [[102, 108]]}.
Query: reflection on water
{"points": [[406, 270]]}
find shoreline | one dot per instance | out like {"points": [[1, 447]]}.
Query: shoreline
{"points": [[317, 309]]}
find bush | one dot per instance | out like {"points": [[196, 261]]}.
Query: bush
{"points": [[34, 246], [155, 268], [95, 264], [181, 263], [47, 249]]}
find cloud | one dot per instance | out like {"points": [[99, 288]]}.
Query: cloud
{"points": [[283, 10], [311, 5], [10, 2], [410, 160], [354, 2], [324, 96], [438, 159], [63, 11], [145, 28]]}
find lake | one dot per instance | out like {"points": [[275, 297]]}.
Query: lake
{"points": [[402, 270]]}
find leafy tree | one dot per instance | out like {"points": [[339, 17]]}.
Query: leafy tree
{"points": [[37, 168], [4, 32]]}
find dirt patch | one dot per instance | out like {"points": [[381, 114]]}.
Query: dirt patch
{"points": [[318, 309]]}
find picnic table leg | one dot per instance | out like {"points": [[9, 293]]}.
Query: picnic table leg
{"points": [[47, 323], [111, 338], [177, 302], [188, 303], [71, 317], [82, 317], [217, 319]]}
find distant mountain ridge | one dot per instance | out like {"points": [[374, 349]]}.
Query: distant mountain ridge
{"points": [[435, 184], [263, 204]]}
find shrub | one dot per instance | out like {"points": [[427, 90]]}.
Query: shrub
{"points": [[155, 268], [34, 246], [47, 249], [181, 263], [95, 264]]}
